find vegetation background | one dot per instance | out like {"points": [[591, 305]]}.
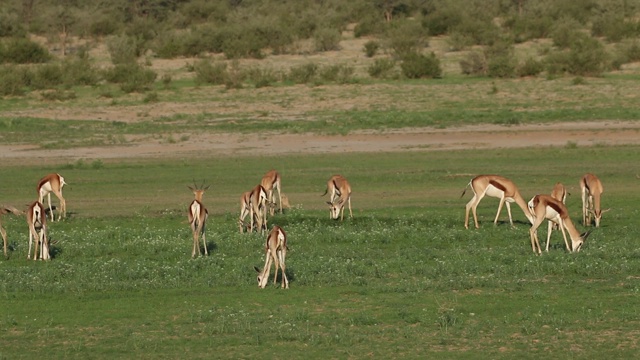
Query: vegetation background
{"points": [[403, 278]]}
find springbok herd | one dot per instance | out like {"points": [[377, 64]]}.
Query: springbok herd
{"points": [[260, 200]]}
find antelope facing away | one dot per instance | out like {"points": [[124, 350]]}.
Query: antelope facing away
{"points": [[592, 190], [197, 219], [545, 207], [494, 186], [37, 221], [276, 253], [340, 194], [6, 210], [271, 181], [52, 183]]}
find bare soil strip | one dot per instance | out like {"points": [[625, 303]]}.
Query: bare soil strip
{"points": [[422, 139]]}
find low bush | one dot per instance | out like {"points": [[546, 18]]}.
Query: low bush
{"points": [[382, 68], [47, 76], [302, 74], [474, 63], [341, 74], [417, 66], [530, 67], [23, 51], [206, 72], [13, 80], [261, 77], [406, 38], [131, 77], [371, 47], [326, 39], [123, 49]]}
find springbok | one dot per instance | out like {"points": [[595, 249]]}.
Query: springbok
{"points": [[52, 183], [197, 219], [6, 210], [340, 193], [271, 181], [276, 253], [592, 190], [544, 207], [37, 221], [494, 186], [258, 208]]}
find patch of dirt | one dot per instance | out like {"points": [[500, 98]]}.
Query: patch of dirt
{"points": [[418, 139]]}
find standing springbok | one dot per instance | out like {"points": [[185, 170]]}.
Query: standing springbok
{"points": [[52, 183], [271, 181], [592, 190], [245, 209], [37, 221], [6, 210], [258, 208], [340, 193], [276, 253], [197, 219], [545, 207], [494, 186]]}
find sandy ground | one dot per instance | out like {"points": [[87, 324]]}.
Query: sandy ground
{"points": [[423, 139]]}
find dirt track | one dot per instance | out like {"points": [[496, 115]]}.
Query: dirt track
{"points": [[423, 139]]}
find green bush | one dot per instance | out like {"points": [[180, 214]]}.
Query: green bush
{"points": [[417, 66], [382, 68], [530, 67], [527, 27], [371, 47], [326, 39], [80, 71], [369, 25], [341, 74], [565, 32], [10, 25], [406, 38], [207, 72], [47, 76], [131, 77], [614, 27], [474, 63], [501, 60], [261, 77], [445, 17], [586, 57], [302, 74], [23, 51], [123, 49], [13, 80]]}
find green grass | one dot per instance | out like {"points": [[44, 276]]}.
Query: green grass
{"points": [[401, 279]]}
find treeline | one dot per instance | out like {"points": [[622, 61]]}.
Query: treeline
{"points": [[581, 31]]}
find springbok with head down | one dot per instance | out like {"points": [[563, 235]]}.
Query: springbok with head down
{"points": [[592, 190], [544, 207], [276, 253], [340, 194], [37, 221]]}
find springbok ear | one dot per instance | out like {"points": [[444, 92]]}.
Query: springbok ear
{"points": [[257, 270], [330, 203], [190, 188], [207, 187], [585, 235]]}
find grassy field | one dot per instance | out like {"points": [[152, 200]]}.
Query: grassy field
{"points": [[402, 279]]}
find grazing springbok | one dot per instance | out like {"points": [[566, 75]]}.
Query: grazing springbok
{"points": [[6, 210], [271, 181], [197, 219], [276, 253], [494, 186], [37, 221], [340, 193], [52, 183], [245, 209], [559, 192], [544, 207], [592, 190]]}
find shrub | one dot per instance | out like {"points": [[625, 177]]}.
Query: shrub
{"points": [[302, 74], [565, 32], [58, 95], [341, 74], [371, 48], [382, 68], [443, 19], [210, 73], [326, 39], [614, 27], [501, 60], [406, 38], [23, 51], [13, 80], [123, 49], [80, 71], [369, 25], [587, 57], [261, 77], [530, 67], [47, 76], [416, 66], [131, 77], [474, 63], [235, 76]]}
